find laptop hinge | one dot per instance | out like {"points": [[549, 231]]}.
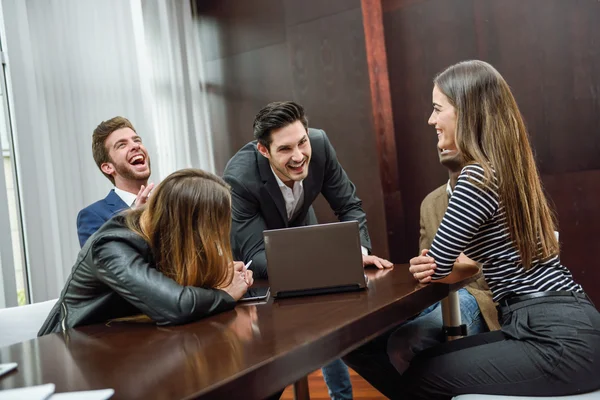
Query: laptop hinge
{"points": [[311, 292]]}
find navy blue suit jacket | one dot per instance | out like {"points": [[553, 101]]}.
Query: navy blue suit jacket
{"points": [[91, 218]]}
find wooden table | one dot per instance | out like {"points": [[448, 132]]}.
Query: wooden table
{"points": [[250, 352]]}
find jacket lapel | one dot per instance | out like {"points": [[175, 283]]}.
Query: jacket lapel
{"points": [[115, 203], [311, 189], [313, 183], [271, 186]]}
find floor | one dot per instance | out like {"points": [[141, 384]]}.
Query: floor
{"points": [[318, 390]]}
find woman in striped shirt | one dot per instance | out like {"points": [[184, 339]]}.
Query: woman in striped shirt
{"points": [[549, 343]]}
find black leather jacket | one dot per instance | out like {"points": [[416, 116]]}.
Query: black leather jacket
{"points": [[114, 276]]}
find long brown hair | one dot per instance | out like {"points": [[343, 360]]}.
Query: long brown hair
{"points": [[490, 131], [187, 222]]}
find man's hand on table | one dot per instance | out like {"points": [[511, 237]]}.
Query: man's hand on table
{"points": [[380, 263]]}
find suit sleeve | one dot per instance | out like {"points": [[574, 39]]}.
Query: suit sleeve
{"points": [[121, 266], [340, 193], [88, 222], [425, 238], [247, 228]]}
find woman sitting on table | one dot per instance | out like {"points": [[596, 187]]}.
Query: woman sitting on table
{"points": [[549, 343], [170, 260]]}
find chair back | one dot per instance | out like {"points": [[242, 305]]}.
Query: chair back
{"points": [[18, 324]]}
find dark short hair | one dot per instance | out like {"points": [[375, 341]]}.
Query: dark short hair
{"points": [[277, 115], [101, 133]]}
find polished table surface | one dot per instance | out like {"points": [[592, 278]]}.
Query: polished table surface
{"points": [[250, 352]]}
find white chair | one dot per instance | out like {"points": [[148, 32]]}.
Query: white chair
{"points": [[586, 396], [18, 324]]}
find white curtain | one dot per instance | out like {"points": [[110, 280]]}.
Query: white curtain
{"points": [[72, 64]]}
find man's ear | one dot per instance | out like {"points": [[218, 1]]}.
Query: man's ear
{"points": [[263, 150], [107, 168]]}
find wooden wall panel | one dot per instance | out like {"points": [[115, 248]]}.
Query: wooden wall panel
{"points": [[383, 122], [548, 52], [551, 58], [330, 78], [229, 27], [238, 87], [312, 52], [414, 55], [576, 196], [297, 12]]}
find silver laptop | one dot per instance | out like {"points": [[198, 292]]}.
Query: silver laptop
{"points": [[314, 259]]}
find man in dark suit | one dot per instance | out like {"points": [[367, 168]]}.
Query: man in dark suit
{"points": [[274, 181], [276, 178], [123, 159]]}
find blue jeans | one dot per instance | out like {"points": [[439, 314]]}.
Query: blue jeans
{"points": [[337, 378], [371, 360], [425, 330]]}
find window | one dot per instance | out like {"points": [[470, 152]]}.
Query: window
{"points": [[12, 265]]}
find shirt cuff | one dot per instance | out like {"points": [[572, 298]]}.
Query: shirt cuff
{"points": [[364, 251]]}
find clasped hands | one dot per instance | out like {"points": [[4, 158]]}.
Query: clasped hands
{"points": [[241, 281], [423, 267]]}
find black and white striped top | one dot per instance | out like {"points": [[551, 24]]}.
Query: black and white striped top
{"points": [[475, 223]]}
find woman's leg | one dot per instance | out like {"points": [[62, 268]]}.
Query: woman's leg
{"points": [[426, 331], [544, 349], [371, 360], [413, 337]]}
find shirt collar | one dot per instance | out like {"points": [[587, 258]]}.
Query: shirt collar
{"points": [[127, 197], [449, 189], [280, 182]]}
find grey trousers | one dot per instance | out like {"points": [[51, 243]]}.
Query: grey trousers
{"points": [[547, 346]]}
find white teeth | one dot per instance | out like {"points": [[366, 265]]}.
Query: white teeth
{"points": [[136, 158]]}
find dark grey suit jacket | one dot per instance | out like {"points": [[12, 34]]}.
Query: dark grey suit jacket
{"points": [[257, 202]]}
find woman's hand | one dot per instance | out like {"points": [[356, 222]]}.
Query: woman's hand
{"points": [[422, 267], [241, 281], [142, 196], [464, 259], [249, 278]]}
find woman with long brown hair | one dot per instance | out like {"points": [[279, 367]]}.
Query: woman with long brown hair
{"points": [[549, 343], [170, 260]]}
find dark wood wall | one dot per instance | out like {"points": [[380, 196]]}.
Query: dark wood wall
{"points": [[310, 51], [549, 52], [313, 52]]}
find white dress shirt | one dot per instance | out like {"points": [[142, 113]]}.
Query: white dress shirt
{"points": [[127, 197], [294, 199]]}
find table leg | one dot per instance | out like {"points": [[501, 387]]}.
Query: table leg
{"points": [[301, 389], [451, 315]]}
